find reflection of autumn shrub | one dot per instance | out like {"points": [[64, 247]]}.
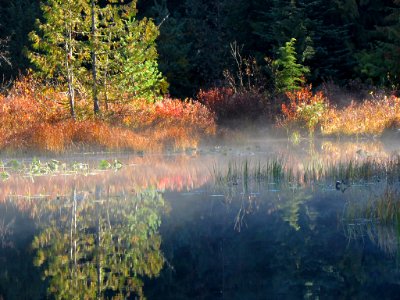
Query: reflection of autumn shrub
{"points": [[227, 104], [304, 109], [369, 117], [34, 117]]}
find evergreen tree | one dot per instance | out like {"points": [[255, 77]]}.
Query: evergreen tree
{"points": [[378, 62], [173, 47], [331, 43], [58, 45], [378, 44], [4, 53], [289, 74], [98, 46], [17, 19], [208, 47], [277, 22], [136, 56]]}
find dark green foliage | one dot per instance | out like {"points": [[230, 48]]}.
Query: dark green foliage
{"points": [[17, 19], [173, 49], [338, 40], [378, 61]]}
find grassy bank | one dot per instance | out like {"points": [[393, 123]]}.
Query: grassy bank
{"points": [[35, 118], [314, 112]]}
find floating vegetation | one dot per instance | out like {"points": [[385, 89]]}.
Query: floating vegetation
{"points": [[53, 167], [13, 164], [4, 175], [106, 165]]}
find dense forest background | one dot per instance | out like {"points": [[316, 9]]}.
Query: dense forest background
{"points": [[344, 41]]}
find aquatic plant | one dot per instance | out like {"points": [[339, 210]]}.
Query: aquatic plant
{"points": [[4, 175], [273, 170], [278, 170]]}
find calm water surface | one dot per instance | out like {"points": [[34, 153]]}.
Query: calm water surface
{"points": [[165, 226]]}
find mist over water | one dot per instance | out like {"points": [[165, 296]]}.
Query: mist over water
{"points": [[253, 216]]}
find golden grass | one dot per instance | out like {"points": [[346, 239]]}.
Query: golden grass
{"points": [[371, 117], [36, 118]]}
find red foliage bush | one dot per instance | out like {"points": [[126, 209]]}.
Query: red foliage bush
{"points": [[227, 104], [299, 99]]}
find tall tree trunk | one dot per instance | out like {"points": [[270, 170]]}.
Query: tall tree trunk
{"points": [[70, 73], [96, 107]]}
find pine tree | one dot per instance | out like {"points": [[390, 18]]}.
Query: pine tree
{"points": [[4, 53], [137, 54], [378, 52], [17, 19], [279, 21], [289, 74], [331, 42], [57, 44], [173, 47], [100, 47]]}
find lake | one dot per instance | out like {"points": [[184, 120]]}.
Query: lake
{"points": [[249, 218]]}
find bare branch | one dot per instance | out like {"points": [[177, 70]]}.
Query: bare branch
{"points": [[4, 53]]}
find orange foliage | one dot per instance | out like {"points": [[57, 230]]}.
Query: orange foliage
{"points": [[305, 109], [298, 99], [34, 117]]}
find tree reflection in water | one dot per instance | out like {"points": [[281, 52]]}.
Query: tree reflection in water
{"points": [[102, 247]]}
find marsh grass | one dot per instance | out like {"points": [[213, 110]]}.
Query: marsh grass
{"points": [[280, 170], [371, 117], [246, 171], [377, 217]]}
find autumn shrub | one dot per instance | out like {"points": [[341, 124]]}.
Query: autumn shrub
{"points": [[304, 109], [172, 122], [35, 117], [371, 117], [227, 104], [139, 116]]}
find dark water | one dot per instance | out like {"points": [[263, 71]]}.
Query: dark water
{"points": [[162, 228]]}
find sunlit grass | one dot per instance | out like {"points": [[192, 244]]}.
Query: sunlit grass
{"points": [[370, 117], [36, 118]]}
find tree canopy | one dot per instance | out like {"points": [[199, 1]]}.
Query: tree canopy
{"points": [[188, 41]]}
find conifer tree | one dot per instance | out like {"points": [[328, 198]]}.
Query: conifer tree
{"points": [[57, 48], [100, 47], [378, 62], [289, 74], [17, 19], [173, 48]]}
